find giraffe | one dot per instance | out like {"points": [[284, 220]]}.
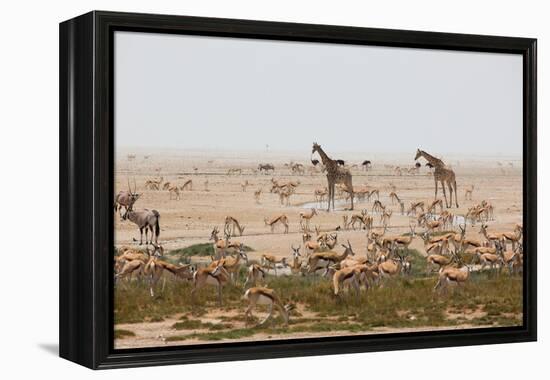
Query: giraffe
{"points": [[442, 174], [335, 174]]}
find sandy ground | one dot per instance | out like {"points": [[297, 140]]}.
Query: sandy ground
{"points": [[190, 220]]}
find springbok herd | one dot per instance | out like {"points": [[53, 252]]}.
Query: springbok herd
{"points": [[311, 219]]}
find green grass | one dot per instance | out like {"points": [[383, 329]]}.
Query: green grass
{"points": [[121, 334], [202, 249], [404, 302]]}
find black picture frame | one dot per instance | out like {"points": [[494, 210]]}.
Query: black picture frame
{"points": [[86, 188]]}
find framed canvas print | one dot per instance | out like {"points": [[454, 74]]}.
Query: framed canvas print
{"points": [[237, 189]]}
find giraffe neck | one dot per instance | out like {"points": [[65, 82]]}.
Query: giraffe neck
{"points": [[326, 159], [432, 160]]}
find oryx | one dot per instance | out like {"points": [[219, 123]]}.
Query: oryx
{"points": [[126, 199], [147, 220]]}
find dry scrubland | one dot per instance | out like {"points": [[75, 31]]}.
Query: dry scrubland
{"points": [[403, 304]]}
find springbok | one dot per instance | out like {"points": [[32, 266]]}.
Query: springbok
{"points": [[271, 262], [174, 192], [514, 237], [357, 218], [320, 195], [378, 206], [394, 197], [265, 296], [468, 192], [347, 277], [305, 218], [452, 275], [216, 276], [439, 260], [187, 185], [414, 206], [405, 241], [296, 266], [147, 220], [322, 260], [256, 274], [512, 259], [487, 256], [232, 264], [391, 267], [432, 208], [282, 219], [385, 217], [257, 194], [231, 224], [156, 267], [492, 237]]}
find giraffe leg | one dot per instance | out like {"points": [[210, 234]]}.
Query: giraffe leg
{"points": [[456, 192], [435, 196], [352, 194], [450, 193], [329, 196], [333, 193], [444, 193]]}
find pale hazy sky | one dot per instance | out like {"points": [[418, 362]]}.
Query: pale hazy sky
{"points": [[193, 92]]}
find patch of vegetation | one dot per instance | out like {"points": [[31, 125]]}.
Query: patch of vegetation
{"points": [[121, 333], [201, 249], [404, 302], [190, 324]]}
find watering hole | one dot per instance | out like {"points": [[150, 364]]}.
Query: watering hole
{"points": [[341, 204]]}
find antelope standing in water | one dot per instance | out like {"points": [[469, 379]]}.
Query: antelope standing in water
{"points": [[320, 195], [305, 218], [270, 262]]}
